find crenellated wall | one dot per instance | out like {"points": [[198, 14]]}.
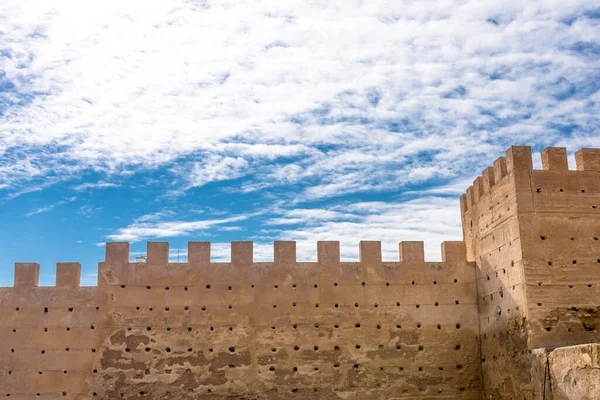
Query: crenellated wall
{"points": [[491, 321], [328, 329]]}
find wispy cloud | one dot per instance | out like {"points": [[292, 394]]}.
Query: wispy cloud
{"points": [[150, 227], [50, 207], [87, 210], [94, 185], [230, 228], [307, 216]]}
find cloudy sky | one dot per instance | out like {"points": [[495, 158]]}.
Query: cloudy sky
{"points": [[273, 120]]}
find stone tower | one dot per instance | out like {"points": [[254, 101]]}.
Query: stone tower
{"points": [[534, 235]]}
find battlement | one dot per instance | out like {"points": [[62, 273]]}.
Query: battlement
{"points": [[118, 268], [519, 162]]}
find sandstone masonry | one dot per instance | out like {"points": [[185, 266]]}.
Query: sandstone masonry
{"points": [[510, 313]]}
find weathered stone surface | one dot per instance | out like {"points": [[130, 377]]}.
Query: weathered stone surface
{"points": [[574, 372]]}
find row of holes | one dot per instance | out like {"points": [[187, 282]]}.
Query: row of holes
{"points": [[337, 365], [588, 328], [561, 190], [317, 305], [296, 390], [64, 394], [273, 327], [231, 349], [47, 310], [273, 350], [499, 248], [501, 293], [294, 304], [294, 285], [538, 190], [168, 349], [572, 262], [294, 326], [544, 237], [271, 368]]}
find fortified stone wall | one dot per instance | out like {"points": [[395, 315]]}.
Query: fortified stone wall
{"points": [[327, 329], [490, 321]]}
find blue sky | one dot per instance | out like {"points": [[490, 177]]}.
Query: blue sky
{"points": [[262, 120]]}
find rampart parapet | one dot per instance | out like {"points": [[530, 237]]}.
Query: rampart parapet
{"points": [[119, 267]]}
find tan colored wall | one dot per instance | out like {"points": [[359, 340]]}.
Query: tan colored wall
{"points": [[246, 330]]}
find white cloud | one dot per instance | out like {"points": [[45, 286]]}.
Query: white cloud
{"points": [[343, 97], [215, 168], [87, 210], [231, 228], [149, 227], [96, 185], [18, 193], [50, 207], [156, 216], [307, 216], [41, 210]]}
